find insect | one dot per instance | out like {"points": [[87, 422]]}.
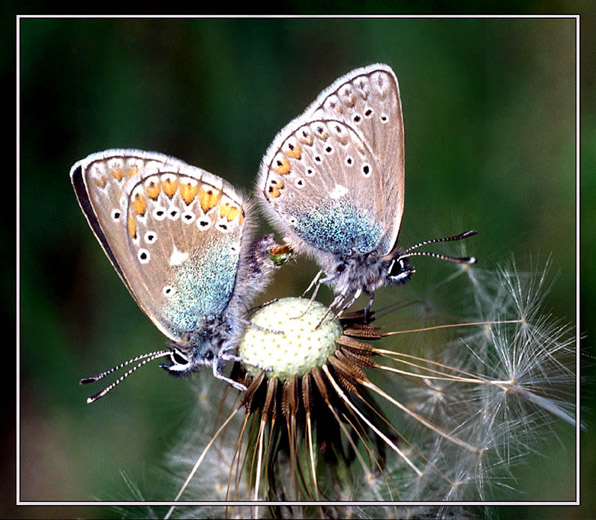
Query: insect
{"points": [[181, 240], [332, 182]]}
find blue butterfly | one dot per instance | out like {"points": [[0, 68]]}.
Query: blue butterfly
{"points": [[332, 182], [181, 240]]}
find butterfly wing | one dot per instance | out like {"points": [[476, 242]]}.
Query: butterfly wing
{"points": [[173, 232], [334, 177]]}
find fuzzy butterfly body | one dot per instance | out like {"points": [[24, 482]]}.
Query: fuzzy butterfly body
{"points": [[180, 239], [333, 182]]}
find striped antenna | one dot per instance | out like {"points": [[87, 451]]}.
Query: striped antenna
{"points": [[459, 260], [145, 358]]}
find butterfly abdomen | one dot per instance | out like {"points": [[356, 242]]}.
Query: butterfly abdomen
{"points": [[255, 273]]}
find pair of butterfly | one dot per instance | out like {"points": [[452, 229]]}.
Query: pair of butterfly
{"points": [[180, 238]]}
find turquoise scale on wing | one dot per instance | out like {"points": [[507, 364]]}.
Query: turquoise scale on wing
{"points": [[338, 228], [204, 285]]}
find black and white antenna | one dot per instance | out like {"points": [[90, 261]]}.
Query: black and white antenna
{"points": [[143, 358], [458, 260]]}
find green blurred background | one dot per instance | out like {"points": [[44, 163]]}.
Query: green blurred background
{"points": [[489, 109]]}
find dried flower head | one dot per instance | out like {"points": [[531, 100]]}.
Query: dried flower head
{"points": [[331, 414]]}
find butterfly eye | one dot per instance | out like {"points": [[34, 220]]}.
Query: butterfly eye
{"points": [[180, 362], [399, 271], [178, 358], [396, 268]]}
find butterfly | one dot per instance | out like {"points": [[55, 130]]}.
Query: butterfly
{"points": [[332, 182], [181, 240]]}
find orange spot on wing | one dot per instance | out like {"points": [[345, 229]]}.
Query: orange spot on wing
{"points": [[305, 136], [132, 227], [133, 169], [208, 198], [228, 211], [152, 189], [188, 192], [169, 186], [139, 204], [295, 152], [100, 181], [321, 132], [281, 166], [274, 189], [118, 173]]}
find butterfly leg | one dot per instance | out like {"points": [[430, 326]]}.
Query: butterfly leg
{"points": [[228, 356], [369, 305], [248, 323], [318, 282], [232, 357], [218, 365], [350, 302], [265, 329], [315, 292], [314, 281], [261, 306], [335, 304]]}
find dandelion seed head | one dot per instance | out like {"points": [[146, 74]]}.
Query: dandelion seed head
{"points": [[444, 415], [294, 342]]}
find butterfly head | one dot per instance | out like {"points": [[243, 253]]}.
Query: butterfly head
{"points": [[399, 270], [202, 349]]}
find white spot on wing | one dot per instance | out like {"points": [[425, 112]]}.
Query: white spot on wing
{"points": [[338, 191], [177, 257]]}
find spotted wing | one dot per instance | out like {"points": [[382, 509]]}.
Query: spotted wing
{"points": [[340, 166], [173, 233]]}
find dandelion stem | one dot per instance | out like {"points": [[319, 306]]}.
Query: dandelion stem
{"points": [[451, 325], [472, 379], [419, 418], [259, 458], [341, 393], [444, 377], [311, 454], [393, 355], [351, 441]]}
